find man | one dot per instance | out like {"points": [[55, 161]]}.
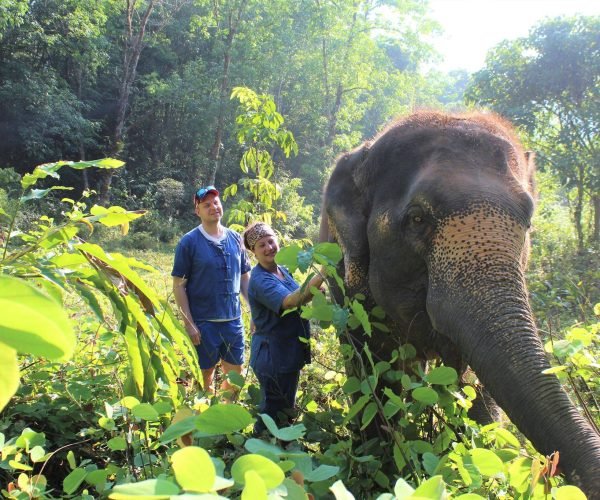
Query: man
{"points": [[210, 271]]}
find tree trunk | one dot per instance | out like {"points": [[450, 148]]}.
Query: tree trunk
{"points": [[596, 230], [233, 21], [578, 213], [134, 44]]}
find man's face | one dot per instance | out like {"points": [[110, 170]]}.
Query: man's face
{"points": [[210, 208]]}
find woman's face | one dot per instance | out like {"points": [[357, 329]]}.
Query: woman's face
{"points": [[266, 249]]}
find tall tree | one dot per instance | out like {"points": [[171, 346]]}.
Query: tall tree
{"points": [[548, 83], [142, 20]]}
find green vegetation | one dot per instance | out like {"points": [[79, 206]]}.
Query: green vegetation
{"points": [[99, 387]]}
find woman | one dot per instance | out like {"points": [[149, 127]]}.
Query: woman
{"points": [[280, 344]]}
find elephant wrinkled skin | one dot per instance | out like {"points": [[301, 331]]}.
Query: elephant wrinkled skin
{"points": [[432, 217]]}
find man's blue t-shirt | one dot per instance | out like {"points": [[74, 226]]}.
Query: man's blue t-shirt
{"points": [[213, 274], [280, 343]]}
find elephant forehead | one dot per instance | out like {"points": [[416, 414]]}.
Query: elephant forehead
{"points": [[472, 240]]}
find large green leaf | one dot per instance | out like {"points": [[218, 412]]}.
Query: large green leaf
{"points": [[73, 480], [179, 429], [442, 375], [569, 493], [194, 469], [152, 489], [51, 169], [290, 433], [321, 473], [9, 374], [433, 489], [145, 411], [425, 395], [269, 472], [113, 216], [136, 365], [255, 488], [263, 448], [288, 257], [223, 419], [36, 324], [332, 251], [487, 462]]}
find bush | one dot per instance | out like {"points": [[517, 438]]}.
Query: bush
{"points": [[141, 241]]}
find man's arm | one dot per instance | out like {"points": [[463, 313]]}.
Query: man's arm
{"points": [[183, 304], [244, 281]]}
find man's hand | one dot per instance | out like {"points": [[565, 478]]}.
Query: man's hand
{"points": [[193, 333]]}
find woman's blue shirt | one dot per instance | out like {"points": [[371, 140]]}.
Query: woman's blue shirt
{"points": [[280, 342]]}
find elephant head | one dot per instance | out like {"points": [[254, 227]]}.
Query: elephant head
{"points": [[432, 217]]}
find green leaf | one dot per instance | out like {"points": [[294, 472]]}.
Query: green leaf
{"points": [[255, 488], [351, 385], [290, 433], [356, 407], [368, 415], [263, 448], [305, 258], [442, 375], [368, 385], [288, 257], [340, 491], [36, 194], [114, 216], [97, 477], [321, 473], [486, 461], [430, 462], [145, 411], [569, 493], [37, 454], [9, 374], [179, 429], [294, 491], [402, 489], [152, 489], [73, 481], [469, 496], [223, 419], [129, 402], [37, 324], [331, 251], [505, 436], [117, 443], [425, 395], [236, 379], [71, 460], [432, 489], [554, 369], [269, 472], [362, 316], [194, 469]]}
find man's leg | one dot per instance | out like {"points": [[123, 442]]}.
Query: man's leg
{"points": [[208, 354], [208, 377], [232, 352], [228, 367]]}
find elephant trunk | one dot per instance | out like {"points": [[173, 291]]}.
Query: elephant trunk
{"points": [[477, 297]]}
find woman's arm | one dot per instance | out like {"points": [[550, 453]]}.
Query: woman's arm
{"points": [[302, 296]]}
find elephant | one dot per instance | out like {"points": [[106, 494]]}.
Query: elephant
{"points": [[432, 217]]}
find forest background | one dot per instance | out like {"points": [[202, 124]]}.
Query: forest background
{"points": [[152, 83]]}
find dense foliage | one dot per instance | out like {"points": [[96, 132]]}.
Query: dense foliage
{"points": [[99, 391]]}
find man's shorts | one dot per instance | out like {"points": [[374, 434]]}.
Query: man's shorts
{"points": [[220, 340]]}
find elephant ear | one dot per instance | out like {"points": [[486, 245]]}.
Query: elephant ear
{"points": [[346, 214]]}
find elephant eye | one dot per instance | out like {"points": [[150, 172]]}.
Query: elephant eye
{"points": [[417, 219]]}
